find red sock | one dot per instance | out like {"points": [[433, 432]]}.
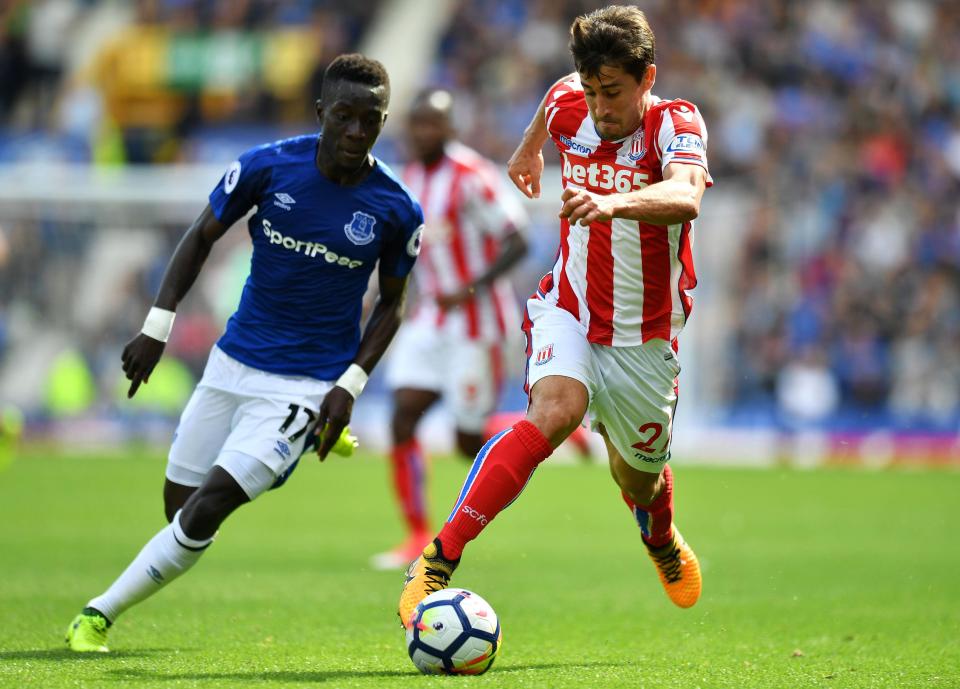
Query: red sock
{"points": [[656, 519], [579, 440], [408, 483], [497, 477]]}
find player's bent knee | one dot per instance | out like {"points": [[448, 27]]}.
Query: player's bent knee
{"points": [[557, 406], [211, 504], [175, 496], [556, 418], [201, 517]]}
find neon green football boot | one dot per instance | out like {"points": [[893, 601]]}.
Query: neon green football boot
{"points": [[88, 632], [345, 444]]}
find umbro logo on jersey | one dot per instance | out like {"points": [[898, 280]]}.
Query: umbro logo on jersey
{"points": [[283, 200]]}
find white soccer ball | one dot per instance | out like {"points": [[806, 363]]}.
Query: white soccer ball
{"points": [[454, 632]]}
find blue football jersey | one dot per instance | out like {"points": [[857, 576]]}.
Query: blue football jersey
{"points": [[315, 244]]}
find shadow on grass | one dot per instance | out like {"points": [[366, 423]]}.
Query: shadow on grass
{"points": [[320, 676], [60, 654], [560, 666], [255, 676]]}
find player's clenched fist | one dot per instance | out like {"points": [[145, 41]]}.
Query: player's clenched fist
{"points": [[580, 205], [139, 358], [335, 412]]}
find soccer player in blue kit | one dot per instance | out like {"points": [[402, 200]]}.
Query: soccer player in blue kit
{"points": [[292, 359]]}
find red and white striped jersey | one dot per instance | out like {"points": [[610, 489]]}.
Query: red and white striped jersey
{"points": [[626, 281], [467, 212]]}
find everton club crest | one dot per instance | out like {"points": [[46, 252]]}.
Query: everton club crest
{"points": [[360, 229]]}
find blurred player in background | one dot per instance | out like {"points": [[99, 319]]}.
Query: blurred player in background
{"points": [[292, 359], [452, 346], [602, 327]]}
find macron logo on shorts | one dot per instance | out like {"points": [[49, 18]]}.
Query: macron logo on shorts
{"points": [[652, 460]]}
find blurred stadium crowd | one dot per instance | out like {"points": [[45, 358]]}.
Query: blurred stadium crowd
{"points": [[838, 122]]}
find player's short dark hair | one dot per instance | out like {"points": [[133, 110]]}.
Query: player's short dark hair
{"points": [[617, 36], [358, 69]]}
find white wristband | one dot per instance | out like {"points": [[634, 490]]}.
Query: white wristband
{"points": [[158, 324], [353, 380]]}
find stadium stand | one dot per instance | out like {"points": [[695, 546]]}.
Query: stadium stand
{"points": [[834, 140]]}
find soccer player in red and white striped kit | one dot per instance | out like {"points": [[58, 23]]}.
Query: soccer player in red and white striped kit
{"points": [[602, 327], [452, 346]]}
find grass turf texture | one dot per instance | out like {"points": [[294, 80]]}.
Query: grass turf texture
{"points": [[812, 579]]}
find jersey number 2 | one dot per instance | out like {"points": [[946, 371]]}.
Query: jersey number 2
{"points": [[646, 446]]}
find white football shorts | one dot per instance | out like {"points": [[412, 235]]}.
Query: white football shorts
{"points": [[251, 423], [633, 390], [468, 374]]}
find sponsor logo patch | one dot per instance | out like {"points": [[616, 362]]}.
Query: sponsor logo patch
{"points": [[416, 239], [604, 176], [231, 177], [686, 143], [311, 249], [574, 146]]}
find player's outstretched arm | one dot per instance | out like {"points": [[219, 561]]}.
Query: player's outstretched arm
{"points": [[674, 200], [142, 353], [337, 406], [525, 166]]}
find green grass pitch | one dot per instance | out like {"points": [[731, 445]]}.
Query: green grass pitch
{"points": [[812, 579]]}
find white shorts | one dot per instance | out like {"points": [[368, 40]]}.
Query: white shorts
{"points": [[251, 423], [633, 390], [467, 373]]}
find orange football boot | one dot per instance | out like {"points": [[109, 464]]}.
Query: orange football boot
{"points": [[430, 572], [679, 570]]}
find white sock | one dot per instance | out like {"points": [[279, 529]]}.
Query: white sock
{"points": [[168, 555]]}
